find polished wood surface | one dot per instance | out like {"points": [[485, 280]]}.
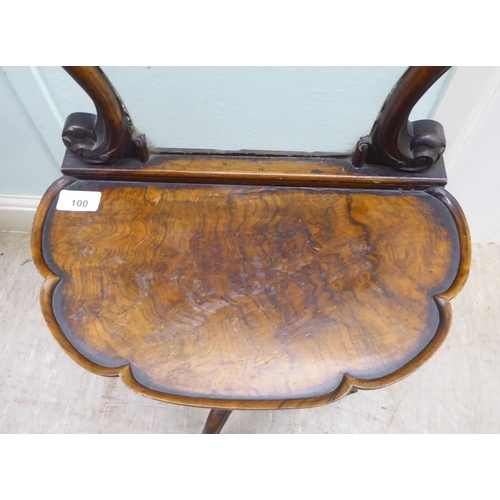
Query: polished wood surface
{"points": [[215, 421], [250, 297], [253, 169]]}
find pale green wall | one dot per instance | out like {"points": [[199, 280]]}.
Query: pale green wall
{"points": [[274, 108], [26, 165]]}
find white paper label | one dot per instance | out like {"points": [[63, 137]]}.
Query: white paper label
{"points": [[78, 201]]}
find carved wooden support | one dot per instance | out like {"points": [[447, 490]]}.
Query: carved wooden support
{"points": [[394, 141], [107, 136]]}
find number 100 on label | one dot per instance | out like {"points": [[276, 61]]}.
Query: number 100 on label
{"points": [[78, 201]]}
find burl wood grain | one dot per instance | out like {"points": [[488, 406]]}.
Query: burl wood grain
{"points": [[248, 293]]}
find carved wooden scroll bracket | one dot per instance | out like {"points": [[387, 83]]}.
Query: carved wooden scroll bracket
{"points": [[107, 136], [396, 142]]}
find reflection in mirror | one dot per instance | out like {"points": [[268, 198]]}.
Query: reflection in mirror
{"points": [[309, 109]]}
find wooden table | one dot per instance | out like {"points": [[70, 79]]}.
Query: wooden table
{"points": [[250, 281]]}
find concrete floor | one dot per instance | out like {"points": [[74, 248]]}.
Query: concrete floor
{"points": [[44, 391]]}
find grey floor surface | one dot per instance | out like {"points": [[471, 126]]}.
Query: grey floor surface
{"points": [[44, 391]]}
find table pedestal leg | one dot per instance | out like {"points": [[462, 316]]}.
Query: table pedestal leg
{"points": [[216, 420]]}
